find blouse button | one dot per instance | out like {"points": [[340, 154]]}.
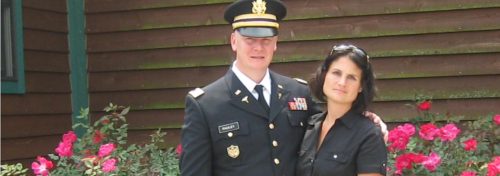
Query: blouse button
{"points": [[335, 156]]}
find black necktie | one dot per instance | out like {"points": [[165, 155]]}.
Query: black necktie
{"points": [[261, 99]]}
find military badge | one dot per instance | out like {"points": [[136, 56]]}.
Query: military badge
{"points": [[233, 151], [298, 104], [245, 99]]}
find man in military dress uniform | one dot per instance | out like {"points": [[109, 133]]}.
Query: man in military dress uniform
{"points": [[250, 121]]}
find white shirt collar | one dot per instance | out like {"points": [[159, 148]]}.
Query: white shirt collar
{"points": [[250, 84]]}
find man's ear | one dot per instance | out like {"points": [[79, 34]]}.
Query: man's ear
{"points": [[233, 41], [276, 44]]}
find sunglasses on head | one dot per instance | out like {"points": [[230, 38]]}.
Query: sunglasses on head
{"points": [[342, 48]]}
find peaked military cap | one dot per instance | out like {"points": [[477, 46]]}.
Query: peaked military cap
{"points": [[255, 18]]}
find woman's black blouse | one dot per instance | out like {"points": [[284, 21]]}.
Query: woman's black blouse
{"points": [[353, 145]]}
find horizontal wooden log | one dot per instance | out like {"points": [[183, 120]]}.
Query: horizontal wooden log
{"points": [[36, 104], [141, 137], [46, 61], [25, 148], [132, 15], [45, 20], [51, 5], [151, 99], [43, 82], [330, 28], [415, 45], [440, 65], [388, 90], [468, 109], [390, 111], [35, 125], [95, 6], [149, 119], [385, 68], [486, 86], [45, 41]]}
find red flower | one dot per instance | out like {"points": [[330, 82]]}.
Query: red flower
{"points": [[42, 167], [106, 149], [428, 131], [449, 132], [64, 149], [424, 106], [109, 165], [432, 161], [468, 173], [400, 136], [494, 167], [403, 162], [178, 149], [470, 144], [98, 137], [496, 118]]}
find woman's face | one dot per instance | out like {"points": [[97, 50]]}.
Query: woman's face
{"points": [[342, 81]]}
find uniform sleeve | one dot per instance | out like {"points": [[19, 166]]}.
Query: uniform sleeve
{"points": [[372, 157], [196, 157]]}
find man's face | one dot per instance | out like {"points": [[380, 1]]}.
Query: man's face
{"points": [[253, 53]]}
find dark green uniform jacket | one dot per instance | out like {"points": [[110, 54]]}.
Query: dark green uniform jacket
{"points": [[226, 131]]}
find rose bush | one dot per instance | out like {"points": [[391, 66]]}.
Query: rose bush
{"points": [[437, 145], [102, 150]]}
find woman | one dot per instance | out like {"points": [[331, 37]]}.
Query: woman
{"points": [[341, 141]]}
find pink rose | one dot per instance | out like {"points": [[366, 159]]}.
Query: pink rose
{"points": [[468, 173], [109, 165], [432, 161], [403, 162], [70, 136], [449, 132], [106, 149], [178, 149], [400, 136], [494, 167], [470, 144], [424, 106], [42, 166], [428, 131], [64, 149], [496, 118]]}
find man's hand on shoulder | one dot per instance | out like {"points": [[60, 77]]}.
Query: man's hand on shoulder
{"points": [[378, 121]]}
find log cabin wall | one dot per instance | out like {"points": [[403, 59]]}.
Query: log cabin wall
{"points": [[33, 122], [149, 54]]}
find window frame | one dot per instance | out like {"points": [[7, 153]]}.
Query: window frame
{"points": [[16, 86]]}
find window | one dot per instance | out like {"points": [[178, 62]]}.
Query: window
{"points": [[12, 70]]}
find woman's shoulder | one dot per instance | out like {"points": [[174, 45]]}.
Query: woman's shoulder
{"points": [[365, 125]]}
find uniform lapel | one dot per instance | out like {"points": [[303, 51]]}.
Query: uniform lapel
{"points": [[278, 96], [241, 97]]}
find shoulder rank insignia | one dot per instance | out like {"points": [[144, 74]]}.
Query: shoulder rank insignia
{"points": [[301, 81], [196, 92]]}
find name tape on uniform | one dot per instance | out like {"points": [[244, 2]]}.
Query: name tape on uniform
{"points": [[229, 127]]}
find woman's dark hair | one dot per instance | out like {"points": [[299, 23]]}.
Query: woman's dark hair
{"points": [[361, 59]]}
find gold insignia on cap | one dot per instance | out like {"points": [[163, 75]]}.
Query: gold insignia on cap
{"points": [[279, 95], [237, 92], [245, 99], [259, 7], [280, 86], [233, 151]]}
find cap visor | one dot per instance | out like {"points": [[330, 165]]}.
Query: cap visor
{"points": [[258, 31]]}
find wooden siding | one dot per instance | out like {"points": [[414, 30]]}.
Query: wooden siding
{"points": [[149, 54], [32, 123]]}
